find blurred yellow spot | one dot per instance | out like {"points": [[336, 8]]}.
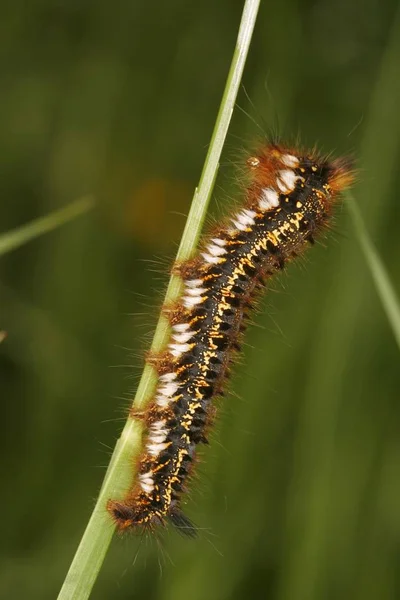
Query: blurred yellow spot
{"points": [[156, 212]]}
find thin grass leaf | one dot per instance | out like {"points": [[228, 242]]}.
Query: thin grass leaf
{"points": [[380, 277], [20, 236], [99, 531]]}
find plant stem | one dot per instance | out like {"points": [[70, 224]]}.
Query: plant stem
{"points": [[17, 237], [380, 277], [99, 531]]}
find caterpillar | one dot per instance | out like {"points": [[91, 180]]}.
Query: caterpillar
{"points": [[288, 201]]}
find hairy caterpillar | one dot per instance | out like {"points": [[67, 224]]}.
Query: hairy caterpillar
{"points": [[289, 200]]}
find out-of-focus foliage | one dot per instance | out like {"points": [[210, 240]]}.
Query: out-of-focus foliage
{"points": [[299, 494]]}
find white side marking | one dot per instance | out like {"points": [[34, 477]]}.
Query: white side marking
{"points": [[169, 389], [157, 425], [216, 250], [146, 477], [181, 338], [190, 301], [155, 449], [178, 349], [239, 226], [214, 260], [193, 282], [269, 199], [167, 377], [290, 161], [246, 217], [162, 401], [147, 487], [157, 433], [196, 291], [156, 438], [181, 327], [286, 180]]}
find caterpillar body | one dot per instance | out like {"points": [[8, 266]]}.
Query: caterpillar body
{"points": [[289, 200]]}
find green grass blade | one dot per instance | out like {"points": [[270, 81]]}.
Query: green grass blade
{"points": [[380, 277], [17, 237], [99, 531]]}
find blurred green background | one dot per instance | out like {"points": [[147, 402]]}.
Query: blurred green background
{"points": [[298, 496]]}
